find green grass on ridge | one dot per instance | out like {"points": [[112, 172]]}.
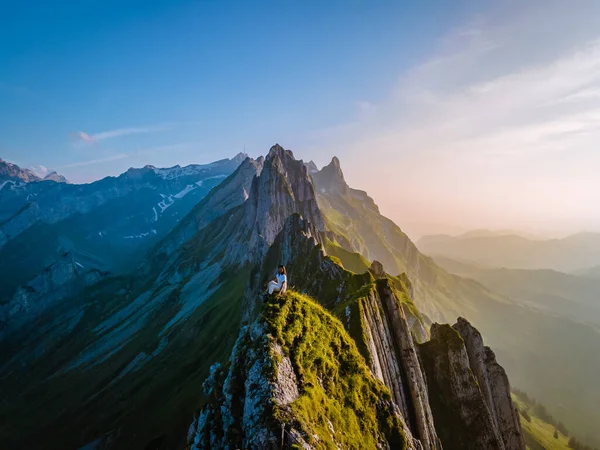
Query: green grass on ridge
{"points": [[339, 397]]}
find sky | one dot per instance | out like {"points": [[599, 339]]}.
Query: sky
{"points": [[451, 115]]}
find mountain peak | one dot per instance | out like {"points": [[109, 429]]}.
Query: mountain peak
{"points": [[334, 170], [240, 157], [283, 188], [312, 167], [331, 177], [54, 176], [10, 171], [278, 150]]}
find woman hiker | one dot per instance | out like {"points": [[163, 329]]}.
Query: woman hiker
{"points": [[279, 283]]}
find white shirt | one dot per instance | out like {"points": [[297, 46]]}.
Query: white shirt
{"points": [[281, 278]]}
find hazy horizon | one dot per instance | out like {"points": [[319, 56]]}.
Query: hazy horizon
{"points": [[452, 117]]}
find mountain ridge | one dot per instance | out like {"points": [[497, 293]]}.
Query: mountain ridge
{"points": [[10, 172], [152, 336]]}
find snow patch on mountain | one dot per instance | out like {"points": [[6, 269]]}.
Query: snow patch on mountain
{"points": [[167, 201], [189, 188], [178, 171], [14, 185], [140, 236]]}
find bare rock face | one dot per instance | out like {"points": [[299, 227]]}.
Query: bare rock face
{"points": [[283, 188], [233, 192], [419, 411], [494, 386], [53, 176], [462, 417], [385, 363], [377, 269], [9, 171], [330, 178], [239, 412]]}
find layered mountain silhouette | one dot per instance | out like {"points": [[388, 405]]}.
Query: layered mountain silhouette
{"points": [[108, 224], [575, 253], [184, 351]]}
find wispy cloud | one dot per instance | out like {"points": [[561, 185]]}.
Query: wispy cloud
{"points": [[82, 136], [91, 162], [499, 126], [137, 153], [39, 170]]}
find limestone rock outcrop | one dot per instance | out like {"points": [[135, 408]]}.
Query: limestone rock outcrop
{"points": [[469, 391], [494, 385]]}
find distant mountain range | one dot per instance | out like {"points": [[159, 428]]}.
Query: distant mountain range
{"points": [[573, 296], [574, 253], [168, 343], [13, 174], [106, 224]]}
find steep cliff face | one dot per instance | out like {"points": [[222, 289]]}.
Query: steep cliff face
{"points": [[417, 398], [494, 385], [377, 320], [282, 189], [469, 391], [296, 380], [232, 192]]}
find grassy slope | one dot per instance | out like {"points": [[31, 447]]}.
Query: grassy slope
{"points": [[538, 434], [339, 397], [147, 404], [354, 262]]}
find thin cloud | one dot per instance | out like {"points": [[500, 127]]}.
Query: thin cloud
{"points": [[40, 171], [499, 127], [96, 161], [82, 136], [135, 154]]}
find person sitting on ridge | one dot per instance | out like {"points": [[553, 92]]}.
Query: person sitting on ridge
{"points": [[279, 283]]}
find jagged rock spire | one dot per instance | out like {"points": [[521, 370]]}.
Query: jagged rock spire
{"points": [[312, 167], [377, 269], [282, 189], [469, 391], [331, 178]]}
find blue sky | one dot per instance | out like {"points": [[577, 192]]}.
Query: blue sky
{"points": [[195, 80], [453, 115]]}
